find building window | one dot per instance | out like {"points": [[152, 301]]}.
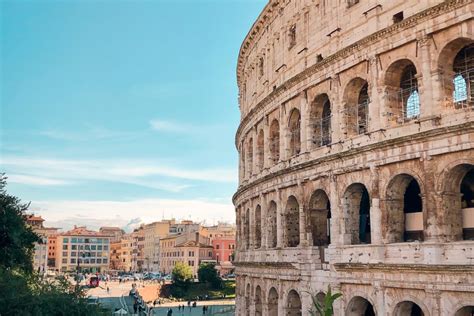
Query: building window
{"points": [[217, 246], [65, 240], [64, 260], [261, 63], [74, 240], [73, 260]]}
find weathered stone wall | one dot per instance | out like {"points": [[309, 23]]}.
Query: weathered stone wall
{"points": [[366, 197]]}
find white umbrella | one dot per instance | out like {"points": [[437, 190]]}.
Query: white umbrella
{"points": [[121, 312]]}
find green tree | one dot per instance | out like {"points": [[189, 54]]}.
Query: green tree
{"points": [[182, 273], [16, 237], [207, 273], [324, 308], [22, 291]]}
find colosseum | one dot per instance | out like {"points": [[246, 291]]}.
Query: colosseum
{"points": [[356, 146]]}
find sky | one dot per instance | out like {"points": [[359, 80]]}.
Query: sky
{"points": [[120, 112]]}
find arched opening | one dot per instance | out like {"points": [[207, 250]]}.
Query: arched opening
{"points": [[247, 229], [359, 306], [456, 64], [463, 81], [258, 227], [465, 311], [272, 305], [458, 202], [247, 300], [275, 141], [292, 222], [403, 99], [356, 99], [242, 162], [293, 304], [258, 301], [319, 218], [272, 225], [295, 132], [357, 213], [408, 308], [404, 208], [250, 157], [260, 150], [320, 120]]}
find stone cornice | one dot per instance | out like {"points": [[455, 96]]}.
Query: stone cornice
{"points": [[341, 54], [464, 128], [415, 268], [266, 265]]}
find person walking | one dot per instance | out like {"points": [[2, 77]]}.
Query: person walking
{"points": [[170, 312]]}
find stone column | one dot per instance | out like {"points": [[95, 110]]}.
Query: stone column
{"points": [[375, 94], [304, 122], [337, 227], [284, 134], [281, 300], [255, 170], [266, 143], [263, 222], [375, 213], [432, 211], [427, 105], [336, 111], [302, 217], [280, 221]]}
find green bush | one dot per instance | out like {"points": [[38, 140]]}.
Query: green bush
{"points": [[207, 273]]}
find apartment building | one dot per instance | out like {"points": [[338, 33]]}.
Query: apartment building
{"points": [[41, 250], [83, 248]]}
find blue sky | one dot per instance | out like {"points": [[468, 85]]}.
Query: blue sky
{"points": [[119, 111]]}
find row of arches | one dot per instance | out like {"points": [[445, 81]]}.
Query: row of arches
{"points": [[401, 96], [356, 306], [402, 207]]}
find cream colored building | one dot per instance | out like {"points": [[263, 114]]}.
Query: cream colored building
{"points": [[89, 249], [190, 248], [152, 233], [356, 146], [41, 254]]}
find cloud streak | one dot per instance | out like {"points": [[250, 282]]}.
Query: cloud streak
{"points": [[48, 171], [121, 213]]}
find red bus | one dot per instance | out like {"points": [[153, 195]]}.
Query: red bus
{"points": [[94, 281]]}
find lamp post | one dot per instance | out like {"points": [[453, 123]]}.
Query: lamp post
{"points": [[79, 255]]}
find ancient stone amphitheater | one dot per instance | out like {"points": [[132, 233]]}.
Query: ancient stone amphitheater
{"points": [[356, 147]]}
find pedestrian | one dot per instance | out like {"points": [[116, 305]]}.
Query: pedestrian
{"points": [[204, 310], [135, 307], [108, 290], [170, 312]]}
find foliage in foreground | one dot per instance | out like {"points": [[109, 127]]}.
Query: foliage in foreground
{"points": [[23, 292], [207, 273], [324, 308]]}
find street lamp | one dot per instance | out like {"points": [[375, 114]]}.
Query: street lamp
{"points": [[86, 247]]}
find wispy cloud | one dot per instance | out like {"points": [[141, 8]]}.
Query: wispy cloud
{"points": [[33, 180], [49, 171], [88, 133], [107, 213], [168, 126]]}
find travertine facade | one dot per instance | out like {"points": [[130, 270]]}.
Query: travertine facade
{"points": [[357, 158]]}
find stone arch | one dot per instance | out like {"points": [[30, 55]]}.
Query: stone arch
{"points": [[294, 126], [293, 305], [404, 209], [250, 156], [319, 218], [320, 120], [272, 224], [272, 302], [409, 308], [356, 107], [248, 295], [243, 161], [275, 141], [260, 150], [359, 306], [247, 229], [292, 222], [258, 301], [458, 201], [465, 311], [402, 92], [356, 210], [258, 227], [456, 65]]}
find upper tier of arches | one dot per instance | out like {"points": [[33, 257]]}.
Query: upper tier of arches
{"points": [[398, 96]]}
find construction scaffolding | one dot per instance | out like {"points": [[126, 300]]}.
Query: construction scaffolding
{"points": [[357, 118], [463, 80], [321, 135]]}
